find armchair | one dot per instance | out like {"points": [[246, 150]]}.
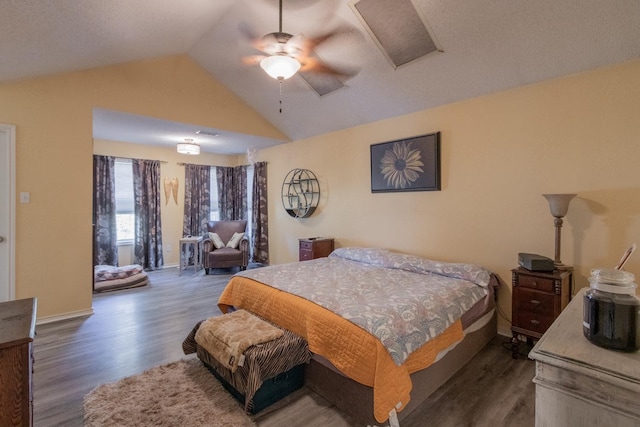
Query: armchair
{"points": [[218, 253]]}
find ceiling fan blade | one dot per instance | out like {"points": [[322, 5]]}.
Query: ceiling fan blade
{"points": [[253, 59], [248, 34], [307, 45], [316, 65]]}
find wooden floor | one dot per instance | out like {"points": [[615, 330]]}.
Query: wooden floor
{"points": [[134, 330]]}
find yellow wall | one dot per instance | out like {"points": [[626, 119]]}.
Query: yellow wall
{"points": [[500, 153], [54, 149], [171, 213]]}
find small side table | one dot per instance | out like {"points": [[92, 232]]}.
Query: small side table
{"points": [[187, 243], [538, 298], [314, 247]]}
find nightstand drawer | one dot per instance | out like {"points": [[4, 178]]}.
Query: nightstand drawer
{"points": [[535, 302], [541, 283], [306, 245], [533, 322], [305, 254]]}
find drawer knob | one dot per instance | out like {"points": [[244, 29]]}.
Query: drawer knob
{"points": [[535, 302], [535, 322], [534, 284]]}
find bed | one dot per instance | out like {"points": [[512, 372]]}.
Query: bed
{"points": [[376, 322]]}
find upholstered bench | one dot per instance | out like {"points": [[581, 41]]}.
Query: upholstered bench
{"points": [[111, 278], [268, 371]]}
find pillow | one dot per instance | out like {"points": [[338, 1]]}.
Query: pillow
{"points": [[235, 240], [388, 259], [217, 241]]}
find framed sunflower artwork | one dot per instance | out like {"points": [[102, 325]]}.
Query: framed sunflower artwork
{"points": [[411, 164]]}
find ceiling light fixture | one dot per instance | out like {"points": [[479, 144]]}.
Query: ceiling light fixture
{"points": [[280, 66], [188, 147]]}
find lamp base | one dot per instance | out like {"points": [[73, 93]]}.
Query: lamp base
{"points": [[561, 267]]}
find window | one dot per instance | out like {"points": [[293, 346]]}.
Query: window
{"points": [[125, 215], [249, 202], [214, 213]]}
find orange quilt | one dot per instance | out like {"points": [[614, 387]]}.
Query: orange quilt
{"points": [[351, 349]]}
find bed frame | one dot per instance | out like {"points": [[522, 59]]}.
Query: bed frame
{"points": [[357, 400]]}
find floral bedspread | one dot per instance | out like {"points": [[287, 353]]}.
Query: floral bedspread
{"points": [[402, 300]]}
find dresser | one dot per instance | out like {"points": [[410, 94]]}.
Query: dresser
{"points": [[17, 330], [579, 383], [537, 300], [314, 247]]}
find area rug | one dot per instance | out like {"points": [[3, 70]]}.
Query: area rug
{"points": [[182, 393]]}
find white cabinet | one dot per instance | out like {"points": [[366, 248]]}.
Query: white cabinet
{"points": [[581, 384]]}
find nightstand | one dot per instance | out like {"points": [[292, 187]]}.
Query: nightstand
{"points": [[314, 247], [538, 298]]}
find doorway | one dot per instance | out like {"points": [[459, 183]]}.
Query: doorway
{"points": [[7, 211]]}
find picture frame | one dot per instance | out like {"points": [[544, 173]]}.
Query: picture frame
{"points": [[410, 164]]}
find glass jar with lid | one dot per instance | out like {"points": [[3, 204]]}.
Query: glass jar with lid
{"points": [[611, 317]]}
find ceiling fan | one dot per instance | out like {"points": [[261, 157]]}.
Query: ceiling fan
{"points": [[286, 54]]}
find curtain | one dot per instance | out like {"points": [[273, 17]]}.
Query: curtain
{"points": [[259, 214], [197, 202], [105, 238], [232, 192], [148, 226]]}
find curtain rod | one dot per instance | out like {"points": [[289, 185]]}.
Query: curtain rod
{"points": [[182, 164], [137, 158], [196, 164]]}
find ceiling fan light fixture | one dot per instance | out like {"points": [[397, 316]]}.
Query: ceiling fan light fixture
{"points": [[280, 67], [188, 147]]}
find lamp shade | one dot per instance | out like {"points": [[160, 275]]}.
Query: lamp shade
{"points": [[559, 203], [188, 147], [280, 67]]}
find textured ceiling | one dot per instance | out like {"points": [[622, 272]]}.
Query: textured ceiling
{"points": [[489, 46]]}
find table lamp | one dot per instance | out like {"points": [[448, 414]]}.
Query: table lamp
{"points": [[559, 205]]}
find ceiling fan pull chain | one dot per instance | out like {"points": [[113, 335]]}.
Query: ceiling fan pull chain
{"points": [[280, 81]]}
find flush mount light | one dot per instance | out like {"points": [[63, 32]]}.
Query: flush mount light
{"points": [[188, 147]]}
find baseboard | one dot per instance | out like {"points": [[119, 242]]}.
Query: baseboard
{"points": [[65, 316], [169, 266], [504, 332]]}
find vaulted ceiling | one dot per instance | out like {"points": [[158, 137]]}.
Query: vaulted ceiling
{"points": [[483, 46]]}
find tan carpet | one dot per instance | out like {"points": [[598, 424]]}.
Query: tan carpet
{"points": [[182, 393]]}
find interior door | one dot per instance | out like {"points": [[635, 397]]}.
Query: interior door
{"points": [[7, 212]]}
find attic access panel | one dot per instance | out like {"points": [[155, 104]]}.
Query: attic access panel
{"points": [[322, 84], [398, 28]]}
